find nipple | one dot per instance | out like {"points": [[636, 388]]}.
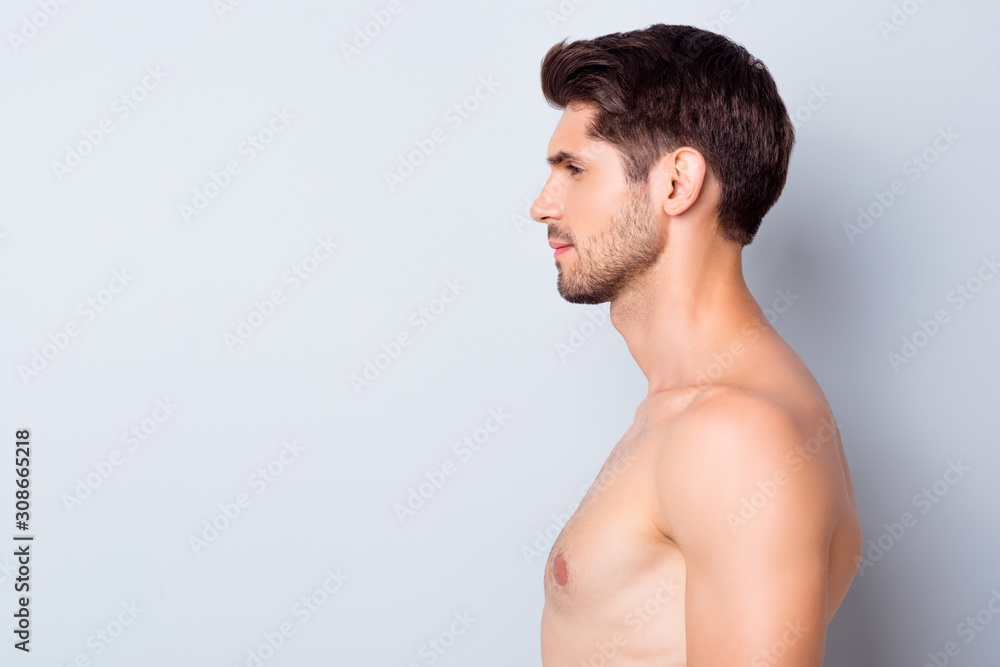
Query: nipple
{"points": [[559, 570]]}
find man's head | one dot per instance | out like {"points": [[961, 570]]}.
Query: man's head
{"points": [[674, 103]]}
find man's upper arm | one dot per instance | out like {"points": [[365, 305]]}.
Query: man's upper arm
{"points": [[754, 530]]}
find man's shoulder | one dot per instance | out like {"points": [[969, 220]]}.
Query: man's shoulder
{"points": [[732, 416], [730, 443]]}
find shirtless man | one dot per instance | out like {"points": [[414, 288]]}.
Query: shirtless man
{"points": [[722, 529]]}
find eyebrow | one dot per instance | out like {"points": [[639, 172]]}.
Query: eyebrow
{"points": [[563, 156]]}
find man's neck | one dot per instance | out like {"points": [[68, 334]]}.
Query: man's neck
{"points": [[688, 308]]}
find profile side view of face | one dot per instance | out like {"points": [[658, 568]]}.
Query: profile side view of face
{"points": [[606, 231]]}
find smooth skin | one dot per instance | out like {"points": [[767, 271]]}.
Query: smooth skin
{"points": [[722, 529]]}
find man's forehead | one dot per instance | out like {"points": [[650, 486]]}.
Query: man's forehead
{"points": [[570, 140]]}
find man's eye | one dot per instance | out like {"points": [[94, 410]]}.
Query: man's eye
{"points": [[574, 170]]}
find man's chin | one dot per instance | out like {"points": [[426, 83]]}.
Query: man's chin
{"points": [[582, 297]]}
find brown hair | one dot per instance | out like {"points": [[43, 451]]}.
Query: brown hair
{"points": [[668, 86]]}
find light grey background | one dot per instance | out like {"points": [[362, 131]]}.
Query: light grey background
{"points": [[461, 216]]}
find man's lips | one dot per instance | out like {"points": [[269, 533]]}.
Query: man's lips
{"points": [[560, 247]]}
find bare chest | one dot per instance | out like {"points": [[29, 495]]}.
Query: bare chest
{"points": [[611, 580]]}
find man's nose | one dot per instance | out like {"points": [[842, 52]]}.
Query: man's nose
{"points": [[546, 206]]}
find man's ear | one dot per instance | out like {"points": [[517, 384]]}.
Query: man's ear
{"points": [[677, 179]]}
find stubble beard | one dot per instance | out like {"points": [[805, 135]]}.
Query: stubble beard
{"points": [[623, 252]]}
